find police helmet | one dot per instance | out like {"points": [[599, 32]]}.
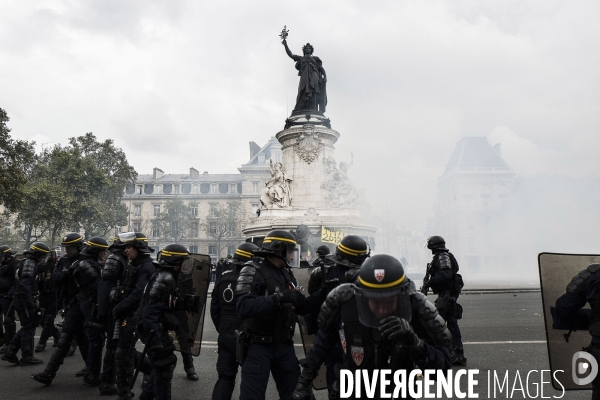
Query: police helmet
{"points": [[72, 239], [382, 290], [38, 249], [138, 240], [173, 254], [95, 245], [116, 245], [323, 250], [7, 251], [351, 250], [245, 252], [280, 241], [435, 242]]}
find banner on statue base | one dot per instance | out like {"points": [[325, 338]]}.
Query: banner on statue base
{"points": [[331, 235]]}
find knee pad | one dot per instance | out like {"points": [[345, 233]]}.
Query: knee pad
{"points": [[64, 341], [120, 355]]}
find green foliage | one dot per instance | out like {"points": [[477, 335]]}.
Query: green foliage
{"points": [[176, 223], [16, 159], [224, 224]]}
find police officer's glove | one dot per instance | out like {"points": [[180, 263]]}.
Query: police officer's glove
{"points": [[290, 296], [399, 330], [328, 286], [117, 312], [73, 268], [303, 389]]}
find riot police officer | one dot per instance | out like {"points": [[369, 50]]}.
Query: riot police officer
{"points": [[226, 320], [381, 322], [267, 299], [7, 280], [25, 295], [322, 253], [48, 303], [445, 281], [113, 270], [72, 243], [84, 275], [129, 294], [343, 266], [158, 317]]}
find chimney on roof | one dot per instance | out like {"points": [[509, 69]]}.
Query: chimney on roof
{"points": [[205, 172], [498, 148], [254, 149], [194, 173], [157, 173]]}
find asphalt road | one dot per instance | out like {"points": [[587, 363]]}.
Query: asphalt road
{"points": [[490, 322]]}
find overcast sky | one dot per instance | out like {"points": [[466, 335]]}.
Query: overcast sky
{"points": [[178, 84]]}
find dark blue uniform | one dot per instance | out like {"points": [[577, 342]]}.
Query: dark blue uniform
{"points": [[224, 315], [48, 302], [582, 289], [130, 291], [7, 280], [444, 268], [157, 318], [271, 328], [364, 348]]}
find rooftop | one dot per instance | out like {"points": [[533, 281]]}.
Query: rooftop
{"points": [[473, 153]]}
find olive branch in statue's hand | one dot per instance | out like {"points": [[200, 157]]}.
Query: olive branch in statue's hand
{"points": [[284, 34]]}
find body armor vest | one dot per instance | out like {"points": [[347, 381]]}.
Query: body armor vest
{"points": [[278, 325], [229, 320], [30, 269], [128, 281], [7, 276]]}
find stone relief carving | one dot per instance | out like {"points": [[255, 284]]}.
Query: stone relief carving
{"points": [[341, 191], [311, 215], [308, 144], [278, 190]]}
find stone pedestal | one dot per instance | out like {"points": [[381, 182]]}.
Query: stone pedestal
{"points": [[308, 159]]}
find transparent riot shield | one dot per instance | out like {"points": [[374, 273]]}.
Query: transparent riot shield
{"points": [[556, 272], [192, 283], [302, 275]]}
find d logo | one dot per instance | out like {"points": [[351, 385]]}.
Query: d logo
{"points": [[581, 362]]}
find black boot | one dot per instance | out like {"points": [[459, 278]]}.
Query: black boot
{"points": [[107, 389], [188, 366], [72, 349], [82, 372], [40, 346], [27, 354], [11, 354], [92, 379], [57, 358], [458, 359]]}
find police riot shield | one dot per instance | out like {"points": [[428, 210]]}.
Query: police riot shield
{"points": [[565, 340], [302, 275], [192, 293]]}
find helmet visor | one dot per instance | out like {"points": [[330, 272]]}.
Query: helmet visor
{"points": [[292, 258], [377, 304], [127, 237]]}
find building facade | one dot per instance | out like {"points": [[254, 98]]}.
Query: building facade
{"points": [[202, 193], [473, 196]]}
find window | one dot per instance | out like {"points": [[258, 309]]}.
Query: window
{"points": [[213, 210], [467, 191], [137, 210], [139, 189], [137, 227], [486, 191], [158, 189], [261, 158], [177, 189], [231, 249], [503, 190], [194, 249], [195, 211], [254, 208], [196, 189], [232, 230], [277, 157], [214, 188], [156, 210], [212, 228], [232, 188], [471, 243], [212, 250], [470, 222], [194, 230], [254, 187], [155, 230]]}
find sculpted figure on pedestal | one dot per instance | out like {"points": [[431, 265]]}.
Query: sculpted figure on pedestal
{"points": [[340, 188], [278, 191]]}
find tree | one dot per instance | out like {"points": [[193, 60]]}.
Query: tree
{"points": [[224, 224], [16, 159], [177, 222]]}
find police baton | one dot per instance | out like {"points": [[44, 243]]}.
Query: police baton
{"points": [[139, 365]]}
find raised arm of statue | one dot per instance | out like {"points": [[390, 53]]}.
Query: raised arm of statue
{"points": [[289, 52]]}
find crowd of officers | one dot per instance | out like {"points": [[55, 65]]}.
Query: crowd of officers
{"points": [[364, 311]]}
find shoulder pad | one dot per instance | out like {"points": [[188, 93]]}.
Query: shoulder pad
{"points": [[579, 282], [315, 280], [244, 283], [329, 310], [162, 286], [28, 268], [444, 260], [430, 320], [87, 272]]}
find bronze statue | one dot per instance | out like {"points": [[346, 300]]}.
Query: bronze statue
{"points": [[312, 93]]}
